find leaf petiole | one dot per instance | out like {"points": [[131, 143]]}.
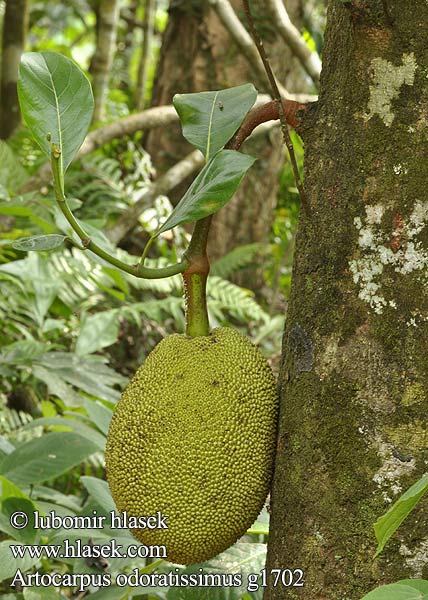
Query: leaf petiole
{"points": [[138, 270]]}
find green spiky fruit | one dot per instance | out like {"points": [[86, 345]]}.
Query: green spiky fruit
{"points": [[193, 437]]}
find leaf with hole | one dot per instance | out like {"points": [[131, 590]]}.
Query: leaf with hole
{"points": [[212, 188], [209, 119], [40, 243], [56, 99], [388, 523]]}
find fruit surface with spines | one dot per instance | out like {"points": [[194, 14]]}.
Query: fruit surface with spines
{"points": [[193, 437]]}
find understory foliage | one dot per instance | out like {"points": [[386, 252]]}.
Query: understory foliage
{"points": [[73, 330]]}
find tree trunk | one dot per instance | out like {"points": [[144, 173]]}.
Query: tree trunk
{"points": [[198, 54], [354, 379], [126, 31], [15, 27], [107, 12], [140, 91]]}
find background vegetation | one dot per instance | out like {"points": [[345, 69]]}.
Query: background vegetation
{"points": [[73, 329]]}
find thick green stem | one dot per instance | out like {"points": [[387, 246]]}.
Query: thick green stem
{"points": [[138, 270], [195, 280]]}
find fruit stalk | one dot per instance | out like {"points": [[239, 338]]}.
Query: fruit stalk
{"points": [[195, 280]]}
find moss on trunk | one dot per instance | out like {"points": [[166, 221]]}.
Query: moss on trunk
{"points": [[354, 378]]}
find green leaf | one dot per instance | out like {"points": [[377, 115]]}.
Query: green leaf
{"points": [[99, 414], [88, 373], [388, 523], [12, 173], [111, 593], [100, 492], [13, 499], [57, 386], [212, 188], [55, 98], [9, 565], [72, 424], [261, 525], [97, 331], [419, 584], [407, 589], [16, 207], [209, 119], [46, 457], [40, 243], [42, 593]]}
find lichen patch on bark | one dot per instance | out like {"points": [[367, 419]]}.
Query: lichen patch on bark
{"points": [[398, 248], [417, 558], [392, 469], [387, 80]]}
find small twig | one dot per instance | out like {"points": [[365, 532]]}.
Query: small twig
{"points": [[242, 39], [277, 96], [293, 112], [309, 59]]}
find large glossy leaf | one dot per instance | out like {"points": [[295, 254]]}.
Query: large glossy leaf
{"points": [[55, 98], [209, 119], [212, 188], [407, 589], [388, 523], [46, 457]]}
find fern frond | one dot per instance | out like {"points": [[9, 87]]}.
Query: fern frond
{"points": [[239, 257], [12, 423], [226, 297]]}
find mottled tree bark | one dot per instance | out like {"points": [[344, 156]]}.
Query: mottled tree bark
{"points": [[353, 432], [15, 27], [128, 26], [140, 91], [198, 54], [107, 12]]}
